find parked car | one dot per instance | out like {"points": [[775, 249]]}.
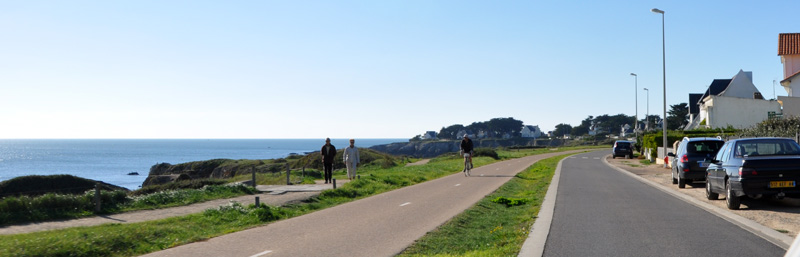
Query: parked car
{"points": [[623, 149], [691, 159], [754, 167]]}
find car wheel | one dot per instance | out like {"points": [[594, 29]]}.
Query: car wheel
{"points": [[681, 182], [731, 199], [710, 195], [674, 181]]}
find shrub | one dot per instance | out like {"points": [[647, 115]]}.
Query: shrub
{"points": [[488, 152]]}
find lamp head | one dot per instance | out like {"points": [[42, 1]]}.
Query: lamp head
{"points": [[656, 10], [633, 74]]}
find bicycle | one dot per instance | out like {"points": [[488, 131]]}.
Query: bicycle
{"points": [[467, 165]]}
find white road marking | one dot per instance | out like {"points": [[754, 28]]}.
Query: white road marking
{"points": [[458, 184], [262, 253], [405, 204], [497, 169], [573, 157], [584, 157], [596, 158]]}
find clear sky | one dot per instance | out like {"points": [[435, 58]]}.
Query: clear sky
{"points": [[362, 69]]}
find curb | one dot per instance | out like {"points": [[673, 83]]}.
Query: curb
{"points": [[537, 237], [775, 237]]}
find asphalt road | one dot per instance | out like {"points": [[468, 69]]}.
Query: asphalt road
{"points": [[382, 225], [602, 212]]}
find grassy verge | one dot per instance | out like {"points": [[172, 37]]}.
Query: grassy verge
{"points": [[498, 224], [145, 237]]}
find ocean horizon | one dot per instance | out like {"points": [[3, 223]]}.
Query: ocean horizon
{"points": [[110, 160]]}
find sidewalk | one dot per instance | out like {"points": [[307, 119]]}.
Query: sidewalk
{"points": [[275, 195]]}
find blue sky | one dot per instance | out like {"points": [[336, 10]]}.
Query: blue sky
{"points": [[362, 69]]}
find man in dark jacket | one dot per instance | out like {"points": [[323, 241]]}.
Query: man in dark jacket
{"points": [[328, 152], [466, 148]]}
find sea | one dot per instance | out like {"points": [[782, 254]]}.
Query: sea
{"points": [[111, 160]]}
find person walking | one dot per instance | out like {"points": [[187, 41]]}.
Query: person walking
{"points": [[351, 159], [328, 152], [466, 148]]}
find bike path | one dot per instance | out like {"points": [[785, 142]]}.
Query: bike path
{"points": [[381, 225]]}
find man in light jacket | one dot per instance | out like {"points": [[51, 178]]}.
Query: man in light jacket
{"points": [[351, 159]]}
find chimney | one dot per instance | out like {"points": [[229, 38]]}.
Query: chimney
{"points": [[757, 95]]}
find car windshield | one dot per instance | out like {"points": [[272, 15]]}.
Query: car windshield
{"points": [[704, 147], [767, 147]]}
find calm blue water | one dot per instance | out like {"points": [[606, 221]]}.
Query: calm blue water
{"points": [[110, 160]]}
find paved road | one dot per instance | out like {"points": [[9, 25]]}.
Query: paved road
{"points": [[602, 212], [382, 225]]}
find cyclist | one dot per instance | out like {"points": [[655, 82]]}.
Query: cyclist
{"points": [[466, 147]]}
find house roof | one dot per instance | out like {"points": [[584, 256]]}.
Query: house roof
{"points": [[788, 43], [716, 87], [790, 76], [694, 99]]}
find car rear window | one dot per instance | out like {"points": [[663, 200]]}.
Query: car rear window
{"points": [[623, 144], [704, 147], [767, 147]]}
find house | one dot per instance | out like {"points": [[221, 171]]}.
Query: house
{"points": [[789, 51], [734, 102], [625, 130], [429, 135], [531, 131], [462, 132]]}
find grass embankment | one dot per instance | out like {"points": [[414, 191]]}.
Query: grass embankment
{"points": [[145, 237], [497, 225]]}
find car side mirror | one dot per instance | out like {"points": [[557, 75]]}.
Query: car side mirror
{"points": [[671, 154]]}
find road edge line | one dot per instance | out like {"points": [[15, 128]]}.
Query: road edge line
{"points": [[774, 237], [537, 237]]}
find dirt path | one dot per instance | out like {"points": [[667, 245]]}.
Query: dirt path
{"points": [[420, 162], [780, 215]]}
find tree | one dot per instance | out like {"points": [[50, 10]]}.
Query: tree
{"points": [[500, 126], [450, 132], [676, 116], [562, 129], [583, 129]]}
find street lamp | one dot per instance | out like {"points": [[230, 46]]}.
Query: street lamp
{"points": [[647, 114], [636, 97], [664, 70]]}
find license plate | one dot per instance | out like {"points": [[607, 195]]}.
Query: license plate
{"points": [[702, 164], [776, 184]]}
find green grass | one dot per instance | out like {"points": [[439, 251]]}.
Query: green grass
{"points": [[140, 238], [497, 225]]}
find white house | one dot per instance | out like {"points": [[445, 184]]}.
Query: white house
{"points": [[735, 102], [531, 131], [429, 135], [789, 51]]}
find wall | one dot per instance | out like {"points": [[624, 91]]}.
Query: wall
{"points": [[737, 112], [791, 64], [741, 86], [791, 106]]}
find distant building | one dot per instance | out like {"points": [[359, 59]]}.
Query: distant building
{"points": [[531, 131], [429, 135]]}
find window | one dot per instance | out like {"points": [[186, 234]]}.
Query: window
{"points": [[704, 147], [767, 147]]}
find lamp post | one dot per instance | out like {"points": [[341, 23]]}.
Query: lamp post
{"points": [[636, 97], [647, 114], [664, 70]]}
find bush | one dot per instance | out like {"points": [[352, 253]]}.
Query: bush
{"points": [[182, 184], [488, 152]]}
